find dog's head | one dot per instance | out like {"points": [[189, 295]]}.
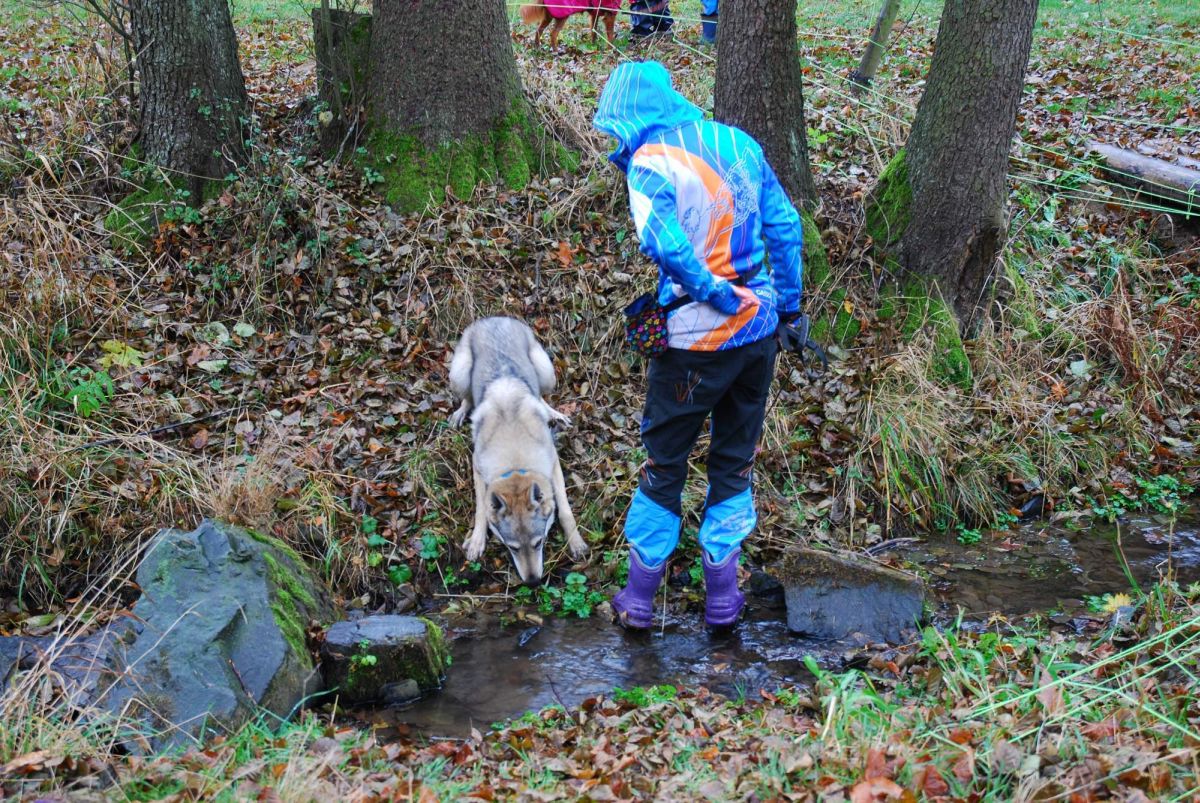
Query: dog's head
{"points": [[520, 512]]}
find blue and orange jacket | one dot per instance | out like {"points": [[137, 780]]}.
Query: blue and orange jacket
{"points": [[703, 200]]}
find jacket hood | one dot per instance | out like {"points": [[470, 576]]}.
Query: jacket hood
{"points": [[638, 102]]}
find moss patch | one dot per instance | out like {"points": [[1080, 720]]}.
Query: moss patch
{"points": [[839, 325], [816, 261], [135, 219], [921, 309], [293, 602], [437, 645], [889, 208], [414, 174]]}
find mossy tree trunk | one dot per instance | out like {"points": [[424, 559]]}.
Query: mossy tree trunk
{"points": [[938, 212], [191, 90], [760, 90], [446, 104]]}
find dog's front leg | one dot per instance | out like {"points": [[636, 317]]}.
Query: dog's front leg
{"points": [[556, 419], [478, 540], [566, 519], [460, 415]]}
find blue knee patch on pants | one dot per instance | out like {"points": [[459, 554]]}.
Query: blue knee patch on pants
{"points": [[726, 525], [651, 529]]}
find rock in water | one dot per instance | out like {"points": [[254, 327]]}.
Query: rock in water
{"points": [[832, 596], [387, 659], [225, 612]]}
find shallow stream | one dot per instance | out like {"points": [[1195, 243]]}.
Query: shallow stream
{"points": [[501, 672]]}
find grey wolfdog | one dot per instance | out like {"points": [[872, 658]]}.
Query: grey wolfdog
{"points": [[501, 372]]}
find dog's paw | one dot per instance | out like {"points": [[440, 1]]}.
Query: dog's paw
{"points": [[474, 548], [577, 548], [457, 418], [558, 421]]}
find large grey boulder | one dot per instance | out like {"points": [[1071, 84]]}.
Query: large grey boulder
{"points": [[224, 613], [834, 596], [388, 659]]}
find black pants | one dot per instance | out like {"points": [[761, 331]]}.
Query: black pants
{"points": [[685, 387]]}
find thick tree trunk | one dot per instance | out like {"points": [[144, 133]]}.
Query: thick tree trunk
{"points": [[447, 106], [191, 89], [861, 78], [939, 209], [759, 88]]}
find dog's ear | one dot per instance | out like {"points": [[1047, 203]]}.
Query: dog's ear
{"points": [[497, 503]]}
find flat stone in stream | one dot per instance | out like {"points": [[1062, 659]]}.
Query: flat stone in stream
{"points": [[389, 659], [832, 596]]}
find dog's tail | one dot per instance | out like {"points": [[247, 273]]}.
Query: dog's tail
{"points": [[532, 12]]}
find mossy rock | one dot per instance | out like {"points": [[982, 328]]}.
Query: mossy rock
{"points": [[225, 613], [364, 659]]}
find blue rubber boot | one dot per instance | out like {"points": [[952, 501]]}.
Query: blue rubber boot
{"points": [[634, 604], [723, 602]]}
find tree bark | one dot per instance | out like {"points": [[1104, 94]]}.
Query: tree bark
{"points": [[861, 78], [759, 88], [342, 41], [191, 90], [939, 209], [447, 105]]}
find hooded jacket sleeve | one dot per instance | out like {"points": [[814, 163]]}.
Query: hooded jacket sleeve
{"points": [[652, 202], [784, 236]]}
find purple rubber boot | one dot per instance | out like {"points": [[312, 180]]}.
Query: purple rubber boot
{"points": [[723, 602], [634, 604]]}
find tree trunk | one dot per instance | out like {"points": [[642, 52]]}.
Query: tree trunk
{"points": [[861, 78], [938, 212], [447, 106], [759, 88], [342, 41], [191, 89]]}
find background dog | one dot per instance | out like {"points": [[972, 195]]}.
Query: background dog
{"points": [[557, 11], [501, 372]]}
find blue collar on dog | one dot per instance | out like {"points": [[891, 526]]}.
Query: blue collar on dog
{"points": [[508, 474]]}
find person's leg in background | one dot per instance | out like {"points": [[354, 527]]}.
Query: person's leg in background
{"points": [[641, 25], [708, 21], [729, 514]]}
